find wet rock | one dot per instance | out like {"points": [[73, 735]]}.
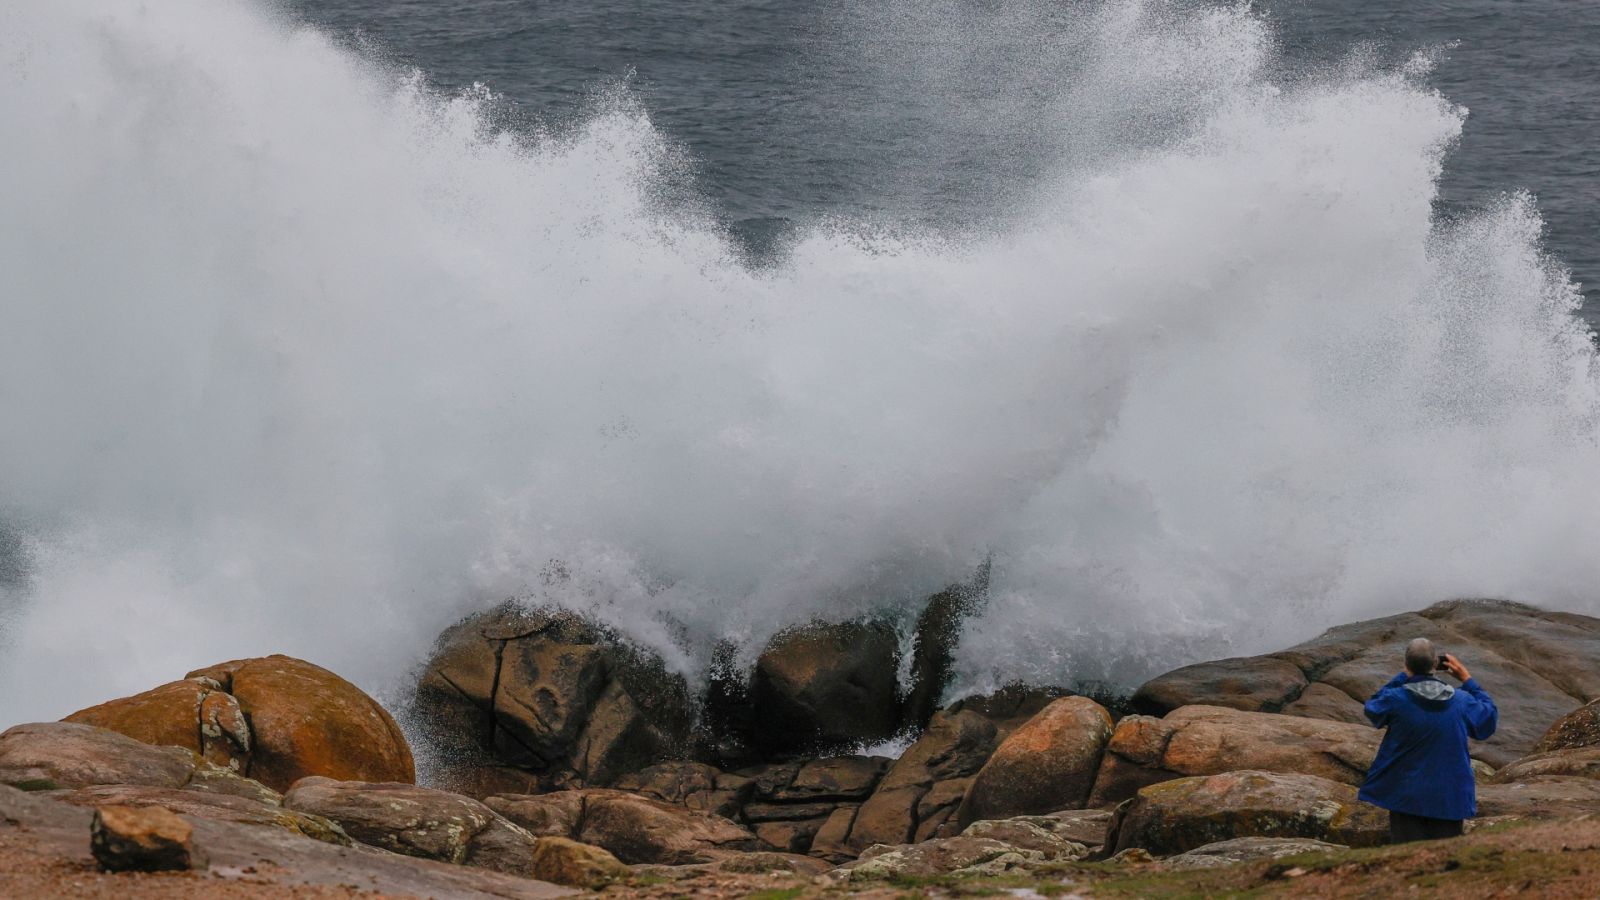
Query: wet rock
{"points": [[954, 747], [1248, 683], [275, 719], [551, 693], [637, 830], [692, 785], [834, 778], [67, 755], [417, 821], [933, 648], [560, 860], [790, 805], [143, 839], [918, 797], [1246, 849], [1047, 764], [220, 807], [1549, 662], [1579, 728], [1177, 816], [826, 686], [1205, 740]]}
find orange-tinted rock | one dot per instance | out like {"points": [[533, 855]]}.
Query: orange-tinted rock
{"points": [[1205, 740], [305, 720], [954, 747], [143, 839], [165, 716], [275, 719], [1046, 765]]}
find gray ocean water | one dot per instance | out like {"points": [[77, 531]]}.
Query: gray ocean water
{"points": [[797, 111]]}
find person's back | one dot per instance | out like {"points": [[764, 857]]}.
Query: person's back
{"points": [[1422, 773]]}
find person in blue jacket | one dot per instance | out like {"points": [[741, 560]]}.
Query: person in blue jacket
{"points": [[1422, 774]]}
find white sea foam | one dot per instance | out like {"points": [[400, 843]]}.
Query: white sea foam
{"points": [[299, 357]]}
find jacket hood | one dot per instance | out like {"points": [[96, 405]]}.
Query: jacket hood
{"points": [[1431, 691]]}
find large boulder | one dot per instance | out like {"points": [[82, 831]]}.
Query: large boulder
{"points": [[1181, 815], [1046, 765], [45, 756], [1206, 740], [276, 719], [823, 687], [416, 821], [1548, 662], [636, 829], [934, 643], [919, 796], [549, 693]]}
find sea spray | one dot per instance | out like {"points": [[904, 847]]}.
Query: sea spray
{"points": [[299, 356]]}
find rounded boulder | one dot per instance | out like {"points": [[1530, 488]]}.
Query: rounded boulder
{"points": [[275, 719], [1047, 764]]}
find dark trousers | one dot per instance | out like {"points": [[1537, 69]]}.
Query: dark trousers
{"points": [[1404, 827]]}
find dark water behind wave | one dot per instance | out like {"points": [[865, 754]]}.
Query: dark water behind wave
{"points": [[794, 111]]}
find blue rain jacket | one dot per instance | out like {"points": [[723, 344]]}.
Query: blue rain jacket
{"points": [[1422, 767]]}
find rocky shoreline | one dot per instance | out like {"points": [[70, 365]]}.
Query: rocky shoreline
{"points": [[564, 760]]}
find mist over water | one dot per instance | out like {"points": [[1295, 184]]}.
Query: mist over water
{"points": [[299, 355]]}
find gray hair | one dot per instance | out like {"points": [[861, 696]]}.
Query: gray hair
{"points": [[1420, 657]]}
